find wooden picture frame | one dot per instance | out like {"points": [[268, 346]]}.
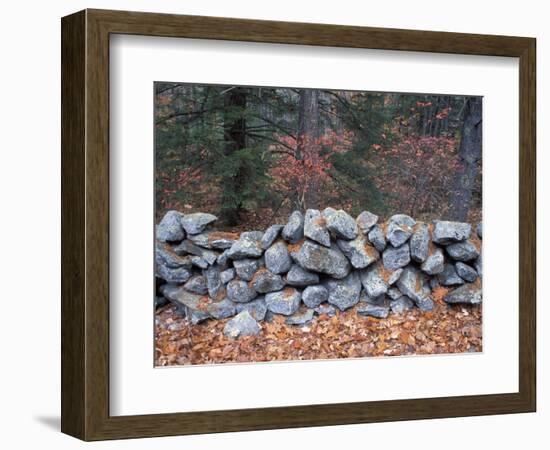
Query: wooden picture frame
{"points": [[85, 224]]}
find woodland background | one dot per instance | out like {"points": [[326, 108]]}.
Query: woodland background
{"points": [[251, 155]]}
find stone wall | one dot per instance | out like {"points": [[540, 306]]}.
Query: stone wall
{"points": [[316, 263]]}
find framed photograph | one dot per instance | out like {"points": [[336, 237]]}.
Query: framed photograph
{"points": [[273, 225]]}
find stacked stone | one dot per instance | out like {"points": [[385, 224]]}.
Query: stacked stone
{"points": [[317, 263]]}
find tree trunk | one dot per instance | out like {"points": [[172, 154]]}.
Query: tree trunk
{"points": [[234, 139], [308, 133], [469, 154]]}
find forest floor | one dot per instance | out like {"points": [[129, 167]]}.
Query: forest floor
{"points": [[446, 329]]}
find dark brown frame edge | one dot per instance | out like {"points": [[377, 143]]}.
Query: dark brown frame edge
{"points": [[85, 224]]}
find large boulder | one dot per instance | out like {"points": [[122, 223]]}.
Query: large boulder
{"points": [[293, 231], [414, 284], [340, 224], [248, 246], [285, 302], [468, 293], [189, 248], [277, 258], [463, 251], [196, 223], [377, 238], [270, 236], [466, 272], [256, 308], [240, 291], [365, 221], [297, 276], [399, 229], [420, 242], [265, 281], [243, 324], [330, 261], [344, 293], [313, 296], [246, 268], [395, 258], [193, 303], [315, 227], [445, 232], [169, 229], [359, 251], [434, 263]]}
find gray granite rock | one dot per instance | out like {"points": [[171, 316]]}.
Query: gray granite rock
{"points": [[449, 277], [243, 324], [227, 275], [196, 316], [434, 263], [315, 227], [214, 283], [468, 293], [166, 256], [399, 229], [325, 308], [313, 296], [188, 247], [380, 300], [414, 284], [265, 281], [359, 251], [176, 276], [301, 317], [466, 272], [277, 258], [222, 310], [420, 243], [169, 229], [219, 240], [246, 247], [463, 251], [199, 262], [293, 231], [256, 308], [394, 293], [376, 279], [255, 235], [270, 236], [344, 293], [240, 291], [479, 230], [395, 258], [340, 224], [160, 301], [196, 223], [196, 305], [285, 302], [377, 238], [365, 221], [401, 304], [330, 261], [368, 309], [196, 284], [246, 268], [297, 276], [446, 232]]}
